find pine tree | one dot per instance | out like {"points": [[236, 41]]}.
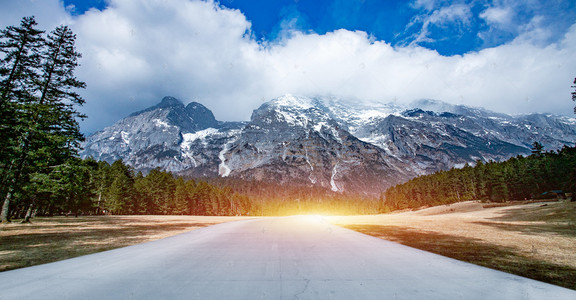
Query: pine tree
{"points": [[121, 189], [46, 131], [537, 148], [100, 178], [72, 185], [22, 48]]}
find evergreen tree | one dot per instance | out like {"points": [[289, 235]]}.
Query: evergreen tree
{"points": [[537, 148], [181, 196], [47, 131], [121, 190], [101, 180], [19, 67]]}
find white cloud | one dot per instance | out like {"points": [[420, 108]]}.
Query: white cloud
{"points": [[455, 15], [136, 52], [498, 16], [424, 4]]}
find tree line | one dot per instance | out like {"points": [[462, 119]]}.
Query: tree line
{"points": [[518, 178], [90, 187]]}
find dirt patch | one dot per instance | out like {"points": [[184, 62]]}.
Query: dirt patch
{"points": [[534, 240], [51, 239]]}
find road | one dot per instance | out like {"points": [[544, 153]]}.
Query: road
{"points": [[271, 258]]}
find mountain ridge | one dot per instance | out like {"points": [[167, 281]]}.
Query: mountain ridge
{"points": [[323, 141]]}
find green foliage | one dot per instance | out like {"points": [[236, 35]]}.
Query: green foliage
{"points": [[39, 122], [518, 178]]}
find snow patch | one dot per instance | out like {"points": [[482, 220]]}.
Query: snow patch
{"points": [[293, 120], [332, 182], [294, 102], [223, 169], [311, 176], [160, 123], [189, 138], [125, 137]]}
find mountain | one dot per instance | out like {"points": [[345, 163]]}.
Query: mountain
{"points": [[169, 136], [323, 141]]}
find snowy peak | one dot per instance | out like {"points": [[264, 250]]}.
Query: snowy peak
{"points": [[443, 107], [290, 111], [172, 112], [155, 137], [342, 145], [293, 102]]}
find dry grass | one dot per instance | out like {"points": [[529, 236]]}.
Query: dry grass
{"points": [[536, 240], [51, 239]]}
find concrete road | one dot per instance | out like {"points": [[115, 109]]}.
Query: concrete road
{"points": [[275, 258]]}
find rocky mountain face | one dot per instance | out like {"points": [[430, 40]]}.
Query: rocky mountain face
{"points": [[323, 141], [169, 136]]}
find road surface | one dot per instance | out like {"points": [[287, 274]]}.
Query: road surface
{"points": [[272, 258]]}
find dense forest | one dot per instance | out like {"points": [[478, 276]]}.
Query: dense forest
{"points": [[91, 187], [518, 178]]}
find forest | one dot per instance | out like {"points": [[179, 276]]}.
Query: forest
{"points": [[96, 187], [518, 178]]}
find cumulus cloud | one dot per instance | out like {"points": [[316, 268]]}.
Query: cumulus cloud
{"points": [[136, 52]]}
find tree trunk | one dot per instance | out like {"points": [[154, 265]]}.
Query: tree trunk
{"points": [[98, 209], [28, 213], [5, 214]]}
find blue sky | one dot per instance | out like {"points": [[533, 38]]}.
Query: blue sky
{"points": [[512, 56], [449, 27]]}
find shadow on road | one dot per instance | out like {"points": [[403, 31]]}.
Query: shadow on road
{"points": [[474, 251]]}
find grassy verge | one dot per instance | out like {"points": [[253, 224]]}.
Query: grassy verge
{"points": [[474, 251], [56, 238]]}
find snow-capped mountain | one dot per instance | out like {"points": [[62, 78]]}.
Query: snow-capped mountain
{"points": [[169, 136], [324, 141]]}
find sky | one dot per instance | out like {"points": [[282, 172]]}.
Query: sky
{"points": [[508, 56]]}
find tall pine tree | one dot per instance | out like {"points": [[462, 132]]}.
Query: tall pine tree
{"points": [[40, 95], [19, 71]]}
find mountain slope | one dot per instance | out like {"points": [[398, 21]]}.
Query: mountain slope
{"points": [[323, 141], [291, 140], [162, 136]]}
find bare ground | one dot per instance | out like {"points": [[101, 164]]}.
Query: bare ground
{"points": [[536, 240], [55, 238]]}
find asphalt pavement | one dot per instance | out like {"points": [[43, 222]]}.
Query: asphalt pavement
{"points": [[297, 257]]}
